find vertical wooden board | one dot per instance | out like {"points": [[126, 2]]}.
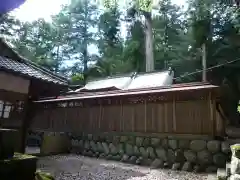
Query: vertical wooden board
{"points": [[117, 118], [190, 116], [105, 121], [160, 118], [139, 117], [169, 116], [84, 118], [207, 125], [149, 115], [95, 112], [128, 111]]}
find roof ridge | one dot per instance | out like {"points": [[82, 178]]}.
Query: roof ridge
{"points": [[32, 64]]}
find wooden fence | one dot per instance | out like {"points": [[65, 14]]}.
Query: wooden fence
{"points": [[173, 115]]}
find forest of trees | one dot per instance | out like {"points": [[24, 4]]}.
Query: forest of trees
{"points": [[62, 45], [139, 37]]}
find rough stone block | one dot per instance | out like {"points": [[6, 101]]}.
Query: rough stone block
{"points": [[151, 152], [157, 163], [155, 142], [133, 159], [176, 166], [129, 149], [226, 147], [214, 146], [173, 144], [211, 169], [198, 145], [164, 143], [183, 144], [146, 142], [105, 148], [123, 139], [219, 159], [190, 156], [187, 166], [161, 153], [171, 156], [139, 141], [143, 152], [204, 157]]}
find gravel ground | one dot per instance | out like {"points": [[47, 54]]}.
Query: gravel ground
{"points": [[75, 167]]}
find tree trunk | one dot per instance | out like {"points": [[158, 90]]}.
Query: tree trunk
{"points": [[204, 63], [149, 42]]}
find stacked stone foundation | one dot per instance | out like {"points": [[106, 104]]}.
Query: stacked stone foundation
{"points": [[177, 153]]}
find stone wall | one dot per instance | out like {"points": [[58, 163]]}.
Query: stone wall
{"points": [[189, 153], [158, 152]]}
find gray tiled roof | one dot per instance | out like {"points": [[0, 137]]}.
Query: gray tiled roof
{"points": [[29, 70]]}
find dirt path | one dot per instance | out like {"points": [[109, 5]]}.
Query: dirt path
{"points": [[74, 167]]}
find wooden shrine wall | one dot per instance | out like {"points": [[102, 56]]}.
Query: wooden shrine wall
{"points": [[172, 113]]}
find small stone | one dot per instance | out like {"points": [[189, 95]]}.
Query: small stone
{"points": [[123, 139], [93, 146], [155, 142], [125, 158], [235, 177], [179, 156], [146, 142], [102, 155], [204, 157], [116, 157], [143, 152], [214, 146], [131, 140], [116, 140], [139, 141], [198, 145], [99, 147], [187, 166], [165, 143], [161, 153], [129, 149], [133, 159], [146, 162], [196, 169], [219, 159], [90, 137], [226, 147], [211, 169], [166, 165], [157, 163], [109, 157], [136, 151], [190, 156], [86, 145], [173, 144], [151, 152], [113, 149], [183, 144], [170, 156], [176, 166], [139, 160], [121, 149], [105, 148]]}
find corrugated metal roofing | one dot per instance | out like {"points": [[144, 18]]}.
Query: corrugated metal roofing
{"points": [[28, 70], [150, 80], [108, 83], [134, 81]]}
